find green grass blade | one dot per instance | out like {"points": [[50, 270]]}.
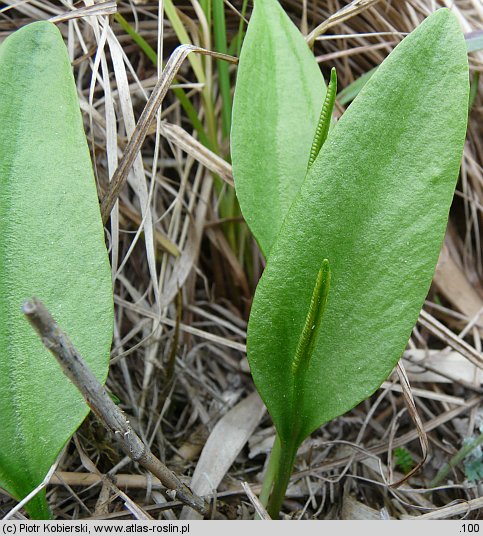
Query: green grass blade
{"points": [[137, 38], [219, 27], [241, 30]]}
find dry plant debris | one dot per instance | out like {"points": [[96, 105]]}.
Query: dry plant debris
{"points": [[184, 269]]}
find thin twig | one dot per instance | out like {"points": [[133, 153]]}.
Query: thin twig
{"points": [[96, 396]]}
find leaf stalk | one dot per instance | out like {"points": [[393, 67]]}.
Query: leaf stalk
{"points": [[286, 461], [283, 454]]}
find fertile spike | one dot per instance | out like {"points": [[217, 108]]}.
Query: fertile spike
{"points": [[324, 119], [313, 320]]}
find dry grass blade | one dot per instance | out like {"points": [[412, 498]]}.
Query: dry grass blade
{"points": [[198, 151], [345, 13], [34, 492], [438, 366], [413, 412], [454, 285], [59, 478], [426, 393], [152, 106], [137, 178], [463, 508], [134, 508], [162, 241], [183, 327], [448, 337], [97, 10]]}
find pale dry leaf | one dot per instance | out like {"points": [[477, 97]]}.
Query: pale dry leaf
{"points": [[224, 444], [455, 287], [452, 365], [353, 509]]}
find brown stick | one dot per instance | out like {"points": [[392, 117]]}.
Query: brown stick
{"points": [[96, 396]]}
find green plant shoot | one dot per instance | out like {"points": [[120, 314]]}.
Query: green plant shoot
{"points": [[374, 204], [51, 246]]}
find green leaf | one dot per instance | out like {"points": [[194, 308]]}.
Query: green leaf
{"points": [[374, 204], [278, 97], [474, 42], [51, 246], [403, 459]]}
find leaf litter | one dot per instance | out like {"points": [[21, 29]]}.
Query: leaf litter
{"points": [[177, 197]]}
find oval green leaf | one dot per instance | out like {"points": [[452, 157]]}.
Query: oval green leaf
{"points": [[51, 246], [278, 97], [375, 204]]}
